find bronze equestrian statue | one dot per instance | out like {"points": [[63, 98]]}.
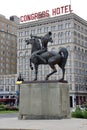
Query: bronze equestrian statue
{"points": [[44, 41], [40, 55]]}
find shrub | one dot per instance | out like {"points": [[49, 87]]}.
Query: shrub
{"points": [[85, 105], [12, 108], [2, 107], [78, 113], [85, 114]]}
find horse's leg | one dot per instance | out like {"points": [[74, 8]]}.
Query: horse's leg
{"points": [[36, 71], [63, 74], [54, 71], [31, 64], [63, 70]]}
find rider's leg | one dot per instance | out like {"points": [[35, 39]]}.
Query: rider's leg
{"points": [[38, 54], [42, 60]]}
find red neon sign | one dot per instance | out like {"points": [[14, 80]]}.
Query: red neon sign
{"points": [[44, 14]]}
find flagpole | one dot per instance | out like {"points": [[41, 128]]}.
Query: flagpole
{"points": [[70, 5], [70, 2]]}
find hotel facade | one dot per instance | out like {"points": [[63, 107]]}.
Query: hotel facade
{"points": [[8, 56], [68, 30]]}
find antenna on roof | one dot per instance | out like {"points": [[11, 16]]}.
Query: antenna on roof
{"points": [[70, 6]]}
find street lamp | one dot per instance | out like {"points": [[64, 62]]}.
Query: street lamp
{"points": [[19, 81]]}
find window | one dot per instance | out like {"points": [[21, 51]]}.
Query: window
{"points": [[32, 32], [78, 35], [60, 34], [68, 63], [75, 25], [53, 28], [7, 88], [78, 27], [60, 26], [27, 66], [75, 33], [54, 35], [27, 53], [7, 81], [13, 81], [1, 81], [12, 88], [68, 25], [67, 33], [21, 54], [68, 70], [20, 34], [27, 33], [3, 25], [27, 59], [20, 60], [59, 41], [82, 29], [39, 30], [46, 29], [75, 40], [3, 35], [68, 40]]}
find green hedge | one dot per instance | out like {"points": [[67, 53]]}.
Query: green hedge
{"points": [[79, 113], [2, 107], [12, 108], [5, 107], [85, 114]]}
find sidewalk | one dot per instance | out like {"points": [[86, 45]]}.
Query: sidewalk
{"points": [[63, 124]]}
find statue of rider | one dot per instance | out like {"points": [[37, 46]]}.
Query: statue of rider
{"points": [[44, 41]]}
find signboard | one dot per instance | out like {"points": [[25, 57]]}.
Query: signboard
{"points": [[44, 14]]}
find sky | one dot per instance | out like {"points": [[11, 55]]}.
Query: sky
{"points": [[24, 7]]}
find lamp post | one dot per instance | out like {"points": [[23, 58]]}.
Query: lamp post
{"points": [[19, 81]]}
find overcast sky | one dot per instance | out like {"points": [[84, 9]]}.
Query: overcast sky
{"points": [[24, 7]]}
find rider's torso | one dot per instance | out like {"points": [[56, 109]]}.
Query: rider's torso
{"points": [[44, 43]]}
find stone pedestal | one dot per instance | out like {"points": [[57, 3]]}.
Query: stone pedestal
{"points": [[49, 100]]}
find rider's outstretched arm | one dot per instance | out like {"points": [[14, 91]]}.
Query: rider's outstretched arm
{"points": [[35, 36]]}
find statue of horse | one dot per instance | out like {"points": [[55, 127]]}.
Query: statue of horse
{"points": [[52, 58]]}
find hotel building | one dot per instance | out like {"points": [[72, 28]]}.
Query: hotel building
{"points": [[8, 54], [8, 46], [68, 31]]}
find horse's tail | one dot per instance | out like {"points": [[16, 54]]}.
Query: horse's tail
{"points": [[64, 53]]}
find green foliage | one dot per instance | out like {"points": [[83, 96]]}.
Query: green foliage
{"points": [[2, 107], [85, 105], [8, 108], [8, 112], [85, 113], [12, 108], [79, 113]]}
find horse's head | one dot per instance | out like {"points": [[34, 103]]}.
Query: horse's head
{"points": [[30, 41], [49, 37], [35, 43], [27, 41]]}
